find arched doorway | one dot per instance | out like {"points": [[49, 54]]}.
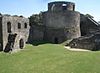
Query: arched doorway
{"points": [[56, 40], [21, 43]]}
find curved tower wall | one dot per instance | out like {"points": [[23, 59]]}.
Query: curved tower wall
{"points": [[62, 23]]}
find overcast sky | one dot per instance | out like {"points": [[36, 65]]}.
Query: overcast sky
{"points": [[29, 7]]}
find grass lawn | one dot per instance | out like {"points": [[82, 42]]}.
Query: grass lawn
{"points": [[49, 58]]}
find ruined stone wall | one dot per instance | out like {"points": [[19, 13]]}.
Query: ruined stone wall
{"points": [[36, 33], [61, 6], [90, 42], [1, 41], [21, 30], [87, 26]]}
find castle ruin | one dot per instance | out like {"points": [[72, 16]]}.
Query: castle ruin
{"points": [[14, 31], [59, 24], [62, 23]]}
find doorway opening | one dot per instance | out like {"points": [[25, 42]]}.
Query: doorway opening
{"points": [[56, 40], [21, 43]]}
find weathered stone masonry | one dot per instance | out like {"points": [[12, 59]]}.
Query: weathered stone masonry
{"points": [[14, 32], [60, 23]]}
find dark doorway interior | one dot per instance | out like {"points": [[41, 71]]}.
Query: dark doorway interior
{"points": [[56, 40], [21, 43], [64, 8], [1, 47]]}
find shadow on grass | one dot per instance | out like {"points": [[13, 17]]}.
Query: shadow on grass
{"points": [[36, 43]]}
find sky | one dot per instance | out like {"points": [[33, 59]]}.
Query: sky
{"points": [[29, 7]]}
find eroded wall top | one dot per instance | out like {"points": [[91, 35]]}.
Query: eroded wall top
{"points": [[61, 6]]}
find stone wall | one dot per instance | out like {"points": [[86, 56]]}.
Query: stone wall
{"points": [[36, 33], [54, 35], [61, 19], [61, 6], [1, 41], [90, 42], [19, 26], [87, 26]]}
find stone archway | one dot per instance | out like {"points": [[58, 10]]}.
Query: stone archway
{"points": [[21, 43]]}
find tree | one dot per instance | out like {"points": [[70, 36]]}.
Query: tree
{"points": [[36, 19]]}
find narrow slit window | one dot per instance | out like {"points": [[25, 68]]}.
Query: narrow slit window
{"points": [[9, 27], [25, 25], [19, 25]]}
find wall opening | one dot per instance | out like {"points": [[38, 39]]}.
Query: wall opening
{"points": [[73, 7], [19, 25], [25, 25], [83, 29], [9, 27], [10, 44], [21, 43], [56, 40], [64, 6], [1, 48]]}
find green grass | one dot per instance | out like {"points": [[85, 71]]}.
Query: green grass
{"points": [[48, 58]]}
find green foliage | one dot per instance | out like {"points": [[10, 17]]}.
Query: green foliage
{"points": [[49, 58], [36, 19]]}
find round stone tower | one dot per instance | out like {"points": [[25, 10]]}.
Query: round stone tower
{"points": [[62, 22]]}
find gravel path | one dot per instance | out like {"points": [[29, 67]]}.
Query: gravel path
{"points": [[75, 49]]}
